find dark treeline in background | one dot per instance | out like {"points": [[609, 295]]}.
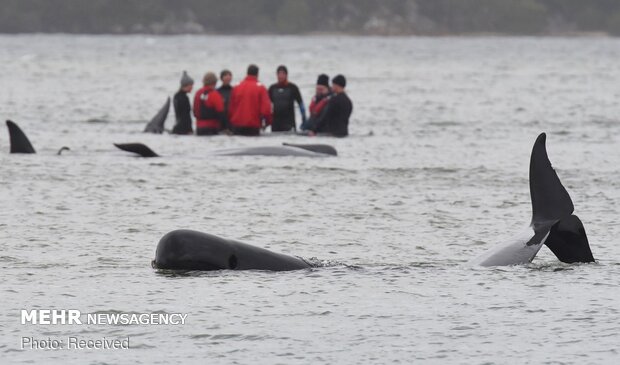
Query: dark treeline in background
{"points": [[386, 17]]}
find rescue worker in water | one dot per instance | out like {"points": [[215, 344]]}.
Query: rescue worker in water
{"points": [[283, 95]]}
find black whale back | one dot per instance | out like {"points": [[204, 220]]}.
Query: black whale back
{"points": [[191, 250]]}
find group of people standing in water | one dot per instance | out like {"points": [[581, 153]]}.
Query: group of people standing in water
{"points": [[250, 107]]}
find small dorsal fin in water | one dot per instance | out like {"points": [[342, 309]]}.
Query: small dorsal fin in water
{"points": [[156, 125], [19, 141], [139, 148], [318, 148]]}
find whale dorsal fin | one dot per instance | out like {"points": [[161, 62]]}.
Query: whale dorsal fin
{"points": [[139, 148], [318, 148], [156, 125], [19, 141], [550, 200]]}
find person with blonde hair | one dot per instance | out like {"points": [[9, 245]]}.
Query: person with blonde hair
{"points": [[208, 107]]}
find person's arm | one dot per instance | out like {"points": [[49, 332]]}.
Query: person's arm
{"points": [[232, 104], [185, 108], [197, 105], [265, 106], [302, 108], [218, 105]]}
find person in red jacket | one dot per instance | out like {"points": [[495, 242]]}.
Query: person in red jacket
{"points": [[208, 107], [250, 106]]}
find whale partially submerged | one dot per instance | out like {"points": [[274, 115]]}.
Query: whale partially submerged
{"points": [[138, 148], [156, 125], [19, 142], [300, 150], [553, 223], [192, 250]]}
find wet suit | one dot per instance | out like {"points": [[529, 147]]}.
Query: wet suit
{"points": [[336, 118], [225, 91], [283, 97], [182, 111]]}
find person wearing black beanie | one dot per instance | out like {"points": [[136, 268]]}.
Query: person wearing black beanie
{"points": [[283, 95], [318, 103], [335, 120]]}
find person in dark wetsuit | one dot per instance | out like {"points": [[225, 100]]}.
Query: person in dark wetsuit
{"points": [[283, 95], [335, 121], [225, 90], [182, 107], [318, 103]]}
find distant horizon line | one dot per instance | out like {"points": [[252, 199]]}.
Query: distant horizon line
{"points": [[571, 34]]}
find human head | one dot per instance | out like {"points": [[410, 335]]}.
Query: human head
{"points": [[209, 79], [226, 77], [252, 70], [322, 84], [282, 73], [186, 82], [339, 83]]}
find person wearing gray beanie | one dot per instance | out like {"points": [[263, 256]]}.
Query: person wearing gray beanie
{"points": [[186, 80], [182, 106]]}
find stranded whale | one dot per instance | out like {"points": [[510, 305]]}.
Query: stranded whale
{"points": [[156, 125], [301, 150], [192, 250], [552, 224]]}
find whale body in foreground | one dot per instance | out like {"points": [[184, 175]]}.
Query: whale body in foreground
{"points": [[192, 250], [552, 224]]}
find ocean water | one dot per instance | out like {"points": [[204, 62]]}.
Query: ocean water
{"points": [[434, 173]]}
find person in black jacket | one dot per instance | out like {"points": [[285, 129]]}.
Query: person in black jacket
{"points": [[335, 120], [225, 90], [182, 107], [283, 95]]}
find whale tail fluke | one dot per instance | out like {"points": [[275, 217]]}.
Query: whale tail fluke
{"points": [[318, 148], [19, 141], [552, 223], [156, 125], [568, 241], [139, 148], [550, 200]]}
